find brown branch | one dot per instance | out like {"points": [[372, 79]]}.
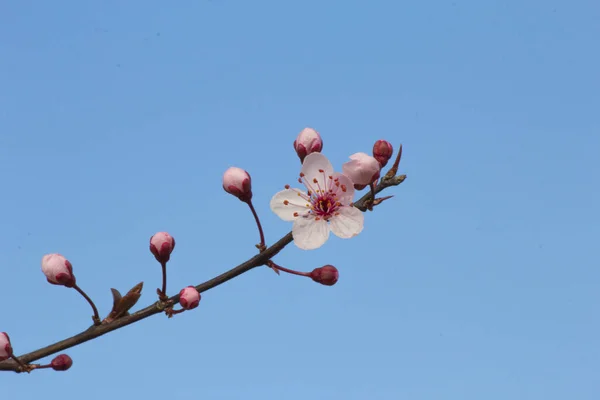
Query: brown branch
{"points": [[155, 308]]}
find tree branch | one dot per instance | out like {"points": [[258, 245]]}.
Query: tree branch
{"points": [[155, 308]]}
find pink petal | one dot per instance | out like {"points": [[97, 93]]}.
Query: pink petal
{"points": [[287, 202], [310, 233], [345, 190], [313, 164], [347, 223]]}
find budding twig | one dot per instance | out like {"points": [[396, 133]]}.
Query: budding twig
{"points": [[96, 331]]}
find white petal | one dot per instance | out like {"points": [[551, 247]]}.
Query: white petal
{"points": [[313, 164], [343, 188], [310, 233], [348, 223], [296, 203]]}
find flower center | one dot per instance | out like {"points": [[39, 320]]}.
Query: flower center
{"points": [[324, 205]]}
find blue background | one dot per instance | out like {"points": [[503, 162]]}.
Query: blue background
{"points": [[479, 280]]}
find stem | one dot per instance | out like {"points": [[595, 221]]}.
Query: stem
{"points": [[371, 201], [38, 366], [289, 271], [23, 366], [262, 245], [96, 317], [164, 280], [170, 312]]}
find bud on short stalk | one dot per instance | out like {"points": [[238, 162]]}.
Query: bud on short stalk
{"points": [[362, 169], [308, 141], [238, 183], [382, 151], [61, 362], [327, 275], [189, 298]]}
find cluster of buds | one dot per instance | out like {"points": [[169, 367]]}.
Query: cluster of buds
{"points": [[161, 246]]}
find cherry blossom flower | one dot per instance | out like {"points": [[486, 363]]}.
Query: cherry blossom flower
{"points": [[326, 205]]}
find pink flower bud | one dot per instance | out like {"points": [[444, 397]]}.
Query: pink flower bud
{"points": [[162, 245], [237, 182], [326, 275], [189, 298], [6, 350], [61, 362], [362, 170], [58, 270], [308, 141], [382, 151]]}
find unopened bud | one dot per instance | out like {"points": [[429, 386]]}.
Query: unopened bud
{"points": [[237, 182], [162, 245], [382, 151], [362, 169], [308, 141], [189, 298], [58, 270], [61, 362], [326, 275], [6, 350]]}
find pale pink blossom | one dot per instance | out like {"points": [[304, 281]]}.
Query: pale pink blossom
{"points": [[308, 141], [362, 169], [382, 151], [162, 245], [58, 270], [189, 298], [326, 205], [5, 347], [237, 182]]}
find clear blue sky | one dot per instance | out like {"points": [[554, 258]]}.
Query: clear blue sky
{"points": [[478, 281]]}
